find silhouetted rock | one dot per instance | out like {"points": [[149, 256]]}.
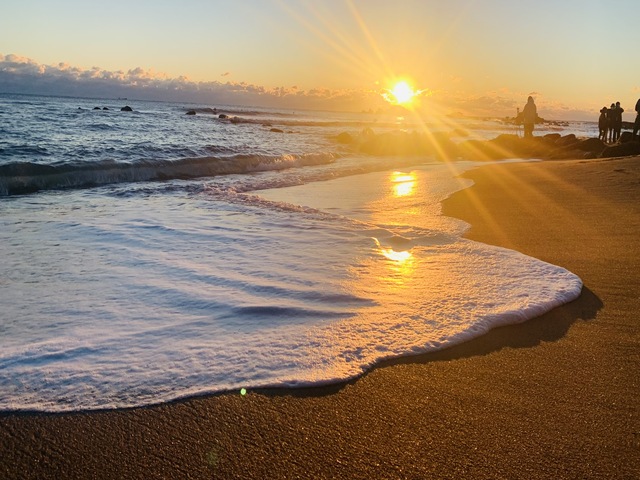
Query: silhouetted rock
{"points": [[504, 146], [589, 148], [594, 145], [223, 116], [626, 137], [344, 137], [405, 143], [440, 146], [551, 138], [191, 112], [621, 150], [566, 140], [276, 130], [126, 109], [105, 108], [97, 108]]}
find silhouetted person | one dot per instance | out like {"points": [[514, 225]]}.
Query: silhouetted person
{"points": [[617, 121], [603, 124], [636, 124], [610, 116], [529, 117]]}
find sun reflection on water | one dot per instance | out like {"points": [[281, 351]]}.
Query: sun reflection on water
{"points": [[398, 268], [404, 184], [400, 257]]}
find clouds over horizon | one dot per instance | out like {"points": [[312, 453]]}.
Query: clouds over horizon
{"points": [[24, 75]]}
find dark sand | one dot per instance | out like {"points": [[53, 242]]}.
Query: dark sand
{"points": [[556, 397]]}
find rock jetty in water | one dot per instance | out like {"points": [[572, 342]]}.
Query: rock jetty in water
{"points": [[440, 145]]}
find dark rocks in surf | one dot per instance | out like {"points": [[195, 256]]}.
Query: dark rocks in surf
{"points": [[191, 112], [126, 108], [502, 147], [407, 143], [223, 116], [344, 137], [594, 145], [97, 108], [439, 145], [276, 130], [566, 140], [588, 148], [621, 150], [551, 138]]}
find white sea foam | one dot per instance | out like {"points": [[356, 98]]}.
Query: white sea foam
{"points": [[127, 300]]}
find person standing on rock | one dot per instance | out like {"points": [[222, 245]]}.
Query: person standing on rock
{"points": [[529, 117], [617, 122], [611, 117], [636, 124], [603, 124]]}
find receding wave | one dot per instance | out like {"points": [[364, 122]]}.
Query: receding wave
{"points": [[26, 177]]}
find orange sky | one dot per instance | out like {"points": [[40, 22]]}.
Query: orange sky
{"points": [[474, 57]]}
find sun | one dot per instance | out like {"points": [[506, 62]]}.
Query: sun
{"points": [[402, 93]]}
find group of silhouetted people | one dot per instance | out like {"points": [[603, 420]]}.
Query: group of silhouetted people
{"points": [[610, 122], [636, 124]]}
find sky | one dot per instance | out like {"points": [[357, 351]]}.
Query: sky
{"points": [[470, 57]]}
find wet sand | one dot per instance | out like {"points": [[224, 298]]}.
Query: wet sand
{"points": [[556, 397]]}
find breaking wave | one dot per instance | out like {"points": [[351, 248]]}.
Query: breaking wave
{"points": [[26, 177]]}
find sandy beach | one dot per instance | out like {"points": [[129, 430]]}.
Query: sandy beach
{"points": [[557, 397]]}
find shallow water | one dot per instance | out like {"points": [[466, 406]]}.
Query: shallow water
{"points": [[137, 293]]}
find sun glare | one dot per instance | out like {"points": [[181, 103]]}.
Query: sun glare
{"points": [[402, 93]]}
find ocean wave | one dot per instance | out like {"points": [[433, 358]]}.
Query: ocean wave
{"points": [[102, 127], [26, 177], [16, 150]]}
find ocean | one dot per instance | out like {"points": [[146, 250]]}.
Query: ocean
{"points": [[150, 255]]}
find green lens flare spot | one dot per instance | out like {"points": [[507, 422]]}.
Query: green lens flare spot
{"points": [[243, 391]]}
